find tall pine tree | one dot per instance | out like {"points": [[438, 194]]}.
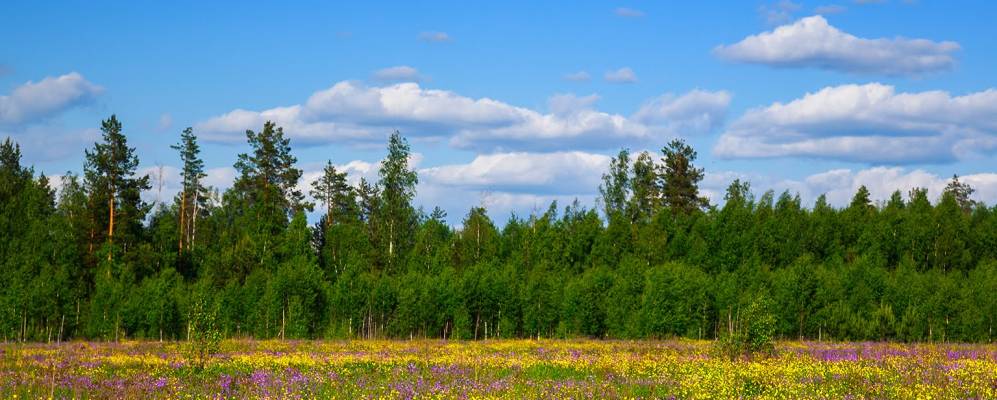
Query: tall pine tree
{"points": [[115, 189], [680, 178], [268, 184], [193, 195]]}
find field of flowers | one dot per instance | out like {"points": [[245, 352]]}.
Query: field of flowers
{"points": [[516, 369]]}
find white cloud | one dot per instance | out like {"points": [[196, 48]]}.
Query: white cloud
{"points": [[434, 37], [35, 101], [559, 173], [580, 76], [696, 111], [406, 104], [28, 116], [520, 183], [220, 178], [401, 73], [231, 127], [352, 113], [868, 123], [622, 75], [812, 42], [628, 12]]}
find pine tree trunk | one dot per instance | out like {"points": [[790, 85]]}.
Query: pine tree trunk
{"points": [[110, 227], [183, 210], [328, 212], [193, 227]]}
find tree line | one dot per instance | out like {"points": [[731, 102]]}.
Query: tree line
{"points": [[653, 260]]}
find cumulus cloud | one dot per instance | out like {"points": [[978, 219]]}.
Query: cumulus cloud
{"points": [[231, 127], [406, 104], [33, 101], [558, 173], [696, 111], [434, 37], [401, 73], [29, 114], [812, 42], [628, 12], [622, 75], [580, 76], [353, 113], [868, 123]]}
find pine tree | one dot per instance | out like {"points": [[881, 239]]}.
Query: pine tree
{"points": [[335, 194], [961, 192], [680, 178], [110, 178], [193, 195], [268, 181]]}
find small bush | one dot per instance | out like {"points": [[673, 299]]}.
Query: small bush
{"points": [[204, 337], [751, 331]]}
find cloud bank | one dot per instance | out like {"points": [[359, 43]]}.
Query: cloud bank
{"points": [[353, 113], [871, 123], [812, 42]]}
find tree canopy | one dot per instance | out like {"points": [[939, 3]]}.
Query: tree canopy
{"points": [[653, 260]]}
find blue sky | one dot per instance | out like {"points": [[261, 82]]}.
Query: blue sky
{"points": [[513, 104]]}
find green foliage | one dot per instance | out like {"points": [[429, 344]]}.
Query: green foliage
{"points": [[653, 262], [116, 207], [751, 331], [616, 185], [680, 178], [204, 337]]}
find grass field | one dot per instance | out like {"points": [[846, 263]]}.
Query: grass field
{"points": [[556, 369]]}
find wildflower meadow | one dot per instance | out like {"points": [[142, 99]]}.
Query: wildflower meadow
{"points": [[501, 369]]}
